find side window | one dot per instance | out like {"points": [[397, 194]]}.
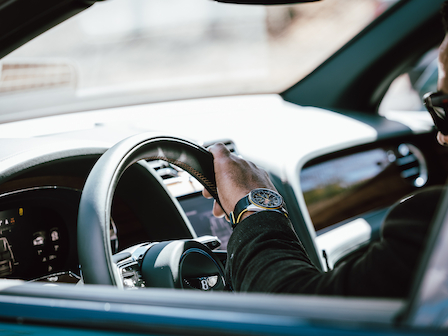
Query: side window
{"points": [[406, 91]]}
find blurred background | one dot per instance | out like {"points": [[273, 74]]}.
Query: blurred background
{"points": [[134, 51]]}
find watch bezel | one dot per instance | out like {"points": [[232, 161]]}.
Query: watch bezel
{"points": [[246, 204], [252, 199]]}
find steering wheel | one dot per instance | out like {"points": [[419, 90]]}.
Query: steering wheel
{"points": [[166, 264]]}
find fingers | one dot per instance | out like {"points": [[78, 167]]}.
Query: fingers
{"points": [[235, 178], [218, 211], [206, 194], [219, 150]]}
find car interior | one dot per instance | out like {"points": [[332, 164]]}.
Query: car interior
{"points": [[112, 196]]}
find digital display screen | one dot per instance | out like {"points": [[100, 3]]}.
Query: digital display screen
{"points": [[199, 211], [8, 220], [341, 174], [347, 186], [33, 242]]}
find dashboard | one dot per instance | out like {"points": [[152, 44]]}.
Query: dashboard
{"points": [[38, 223], [353, 182], [38, 237], [325, 185]]}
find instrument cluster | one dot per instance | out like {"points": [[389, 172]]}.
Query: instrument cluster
{"points": [[38, 233]]}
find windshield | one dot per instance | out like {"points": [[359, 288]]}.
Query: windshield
{"points": [[122, 52]]}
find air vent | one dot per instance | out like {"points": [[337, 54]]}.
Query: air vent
{"points": [[164, 169], [168, 171], [178, 181], [412, 165]]}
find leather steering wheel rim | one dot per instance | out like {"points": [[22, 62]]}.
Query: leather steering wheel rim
{"points": [[94, 214]]}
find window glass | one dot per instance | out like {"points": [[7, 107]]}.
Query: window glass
{"points": [[159, 50], [406, 91]]}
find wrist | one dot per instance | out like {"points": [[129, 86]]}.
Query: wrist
{"points": [[246, 214], [259, 199]]}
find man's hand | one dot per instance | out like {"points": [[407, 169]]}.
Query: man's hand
{"points": [[235, 178]]}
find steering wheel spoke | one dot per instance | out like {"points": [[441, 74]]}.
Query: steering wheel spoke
{"points": [[186, 264], [129, 265]]}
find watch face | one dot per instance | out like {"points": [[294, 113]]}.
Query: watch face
{"points": [[266, 198]]}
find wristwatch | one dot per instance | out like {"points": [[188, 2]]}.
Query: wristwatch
{"points": [[259, 199], [437, 105]]}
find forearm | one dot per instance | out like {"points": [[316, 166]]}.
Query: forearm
{"points": [[265, 255]]}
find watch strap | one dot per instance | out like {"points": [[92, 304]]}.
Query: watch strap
{"points": [[244, 205], [240, 208]]}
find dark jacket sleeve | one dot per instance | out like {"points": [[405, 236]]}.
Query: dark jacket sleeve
{"points": [[265, 255]]}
